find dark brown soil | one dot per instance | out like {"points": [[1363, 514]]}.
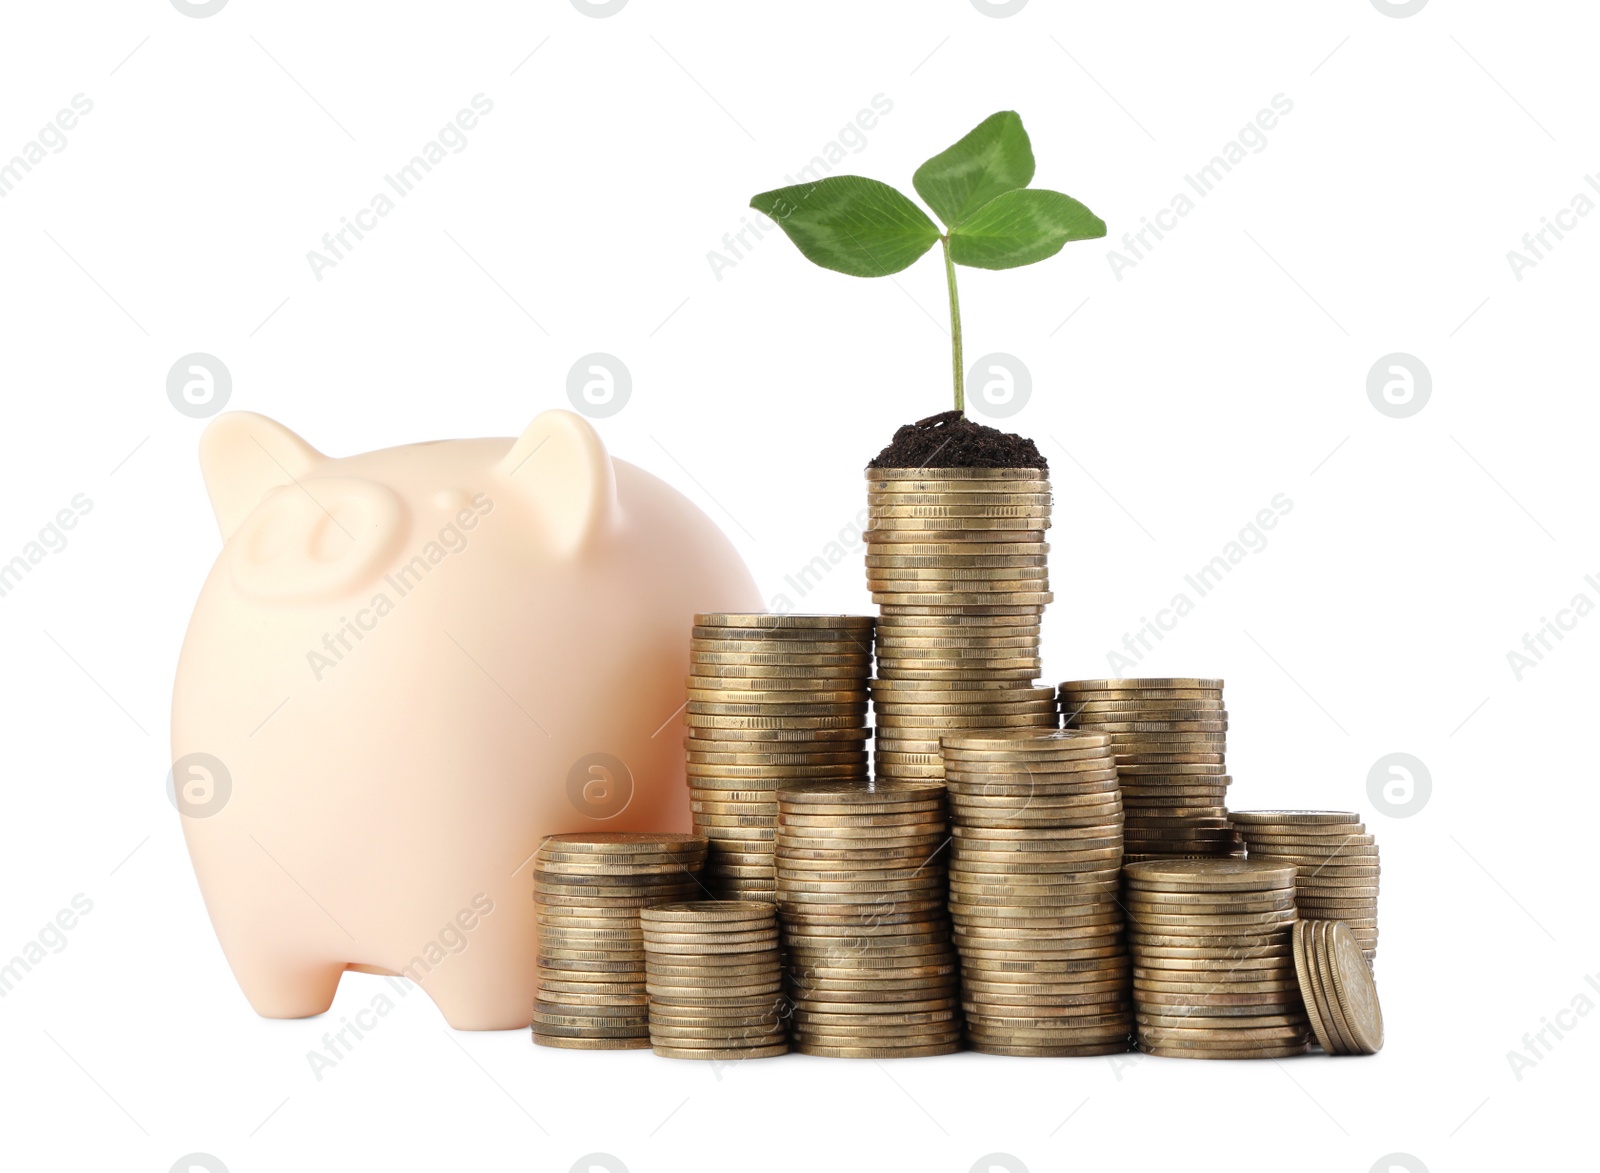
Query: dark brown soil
{"points": [[950, 440]]}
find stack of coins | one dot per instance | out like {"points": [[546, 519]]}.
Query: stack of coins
{"points": [[1336, 864], [773, 699], [1336, 984], [1213, 959], [956, 561], [715, 984], [861, 897], [588, 890], [1036, 821], [1170, 738]]}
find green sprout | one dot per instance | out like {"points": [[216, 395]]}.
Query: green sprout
{"points": [[978, 187]]}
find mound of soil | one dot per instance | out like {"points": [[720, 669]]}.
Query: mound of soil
{"points": [[951, 440]]}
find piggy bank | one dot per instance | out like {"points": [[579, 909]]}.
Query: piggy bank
{"points": [[404, 670]]}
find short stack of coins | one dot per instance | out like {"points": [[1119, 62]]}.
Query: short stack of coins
{"points": [[1214, 972], [773, 699], [588, 889], [1336, 864], [861, 900], [715, 983], [957, 563], [1170, 738], [1036, 852], [1336, 984]]}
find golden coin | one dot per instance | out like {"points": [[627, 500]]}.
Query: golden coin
{"points": [[1210, 903], [1172, 1051], [703, 724], [861, 826], [1236, 1036], [1148, 726], [1267, 818], [806, 685], [1207, 875], [1232, 1022], [1063, 745], [712, 775], [755, 941], [886, 560], [843, 640], [640, 1042], [1027, 493], [1135, 684], [729, 1053], [793, 675], [1143, 696], [1152, 954], [965, 653], [932, 726], [767, 620], [1156, 710], [623, 841], [1310, 988], [712, 736], [793, 845], [1355, 997], [735, 757], [796, 795], [833, 715], [948, 504], [707, 916], [548, 1030], [729, 968], [955, 575], [707, 663]]}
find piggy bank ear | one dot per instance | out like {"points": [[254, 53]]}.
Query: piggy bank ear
{"points": [[560, 467], [243, 457]]}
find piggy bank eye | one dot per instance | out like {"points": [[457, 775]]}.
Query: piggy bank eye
{"points": [[318, 539]]}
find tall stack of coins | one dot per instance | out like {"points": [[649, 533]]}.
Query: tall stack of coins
{"points": [[1213, 960], [1336, 864], [588, 890], [1036, 820], [1170, 738], [773, 699], [861, 898], [711, 967], [956, 561], [1336, 984]]}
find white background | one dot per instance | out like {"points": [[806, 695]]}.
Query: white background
{"points": [[1226, 367]]}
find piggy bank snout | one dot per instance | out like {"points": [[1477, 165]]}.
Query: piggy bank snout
{"points": [[317, 538]]}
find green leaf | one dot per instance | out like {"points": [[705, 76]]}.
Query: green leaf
{"points": [[994, 157], [851, 224], [1021, 227]]}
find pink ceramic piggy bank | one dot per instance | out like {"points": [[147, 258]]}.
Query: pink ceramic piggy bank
{"points": [[406, 668]]}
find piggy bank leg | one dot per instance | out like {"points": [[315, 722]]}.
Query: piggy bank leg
{"points": [[488, 986], [284, 988]]}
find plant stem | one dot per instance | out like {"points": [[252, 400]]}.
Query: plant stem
{"points": [[955, 329]]}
